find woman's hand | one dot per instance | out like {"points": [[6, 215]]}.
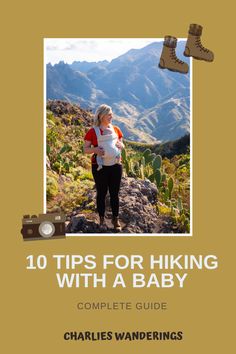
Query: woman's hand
{"points": [[99, 151], [119, 144], [88, 149]]}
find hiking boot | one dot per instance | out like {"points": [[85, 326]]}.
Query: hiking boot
{"points": [[116, 223], [169, 59], [194, 47], [102, 221]]}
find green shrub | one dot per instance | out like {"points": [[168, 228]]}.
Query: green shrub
{"points": [[52, 187]]}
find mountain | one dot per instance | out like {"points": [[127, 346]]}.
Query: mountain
{"points": [[166, 121], [67, 84], [84, 66], [168, 149], [148, 103], [135, 78]]}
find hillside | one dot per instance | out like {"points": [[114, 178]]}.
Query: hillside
{"points": [[154, 194], [168, 149]]}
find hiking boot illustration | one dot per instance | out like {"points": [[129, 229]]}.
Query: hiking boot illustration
{"points": [[169, 59], [194, 47]]}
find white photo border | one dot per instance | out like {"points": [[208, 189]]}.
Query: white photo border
{"points": [[191, 152]]}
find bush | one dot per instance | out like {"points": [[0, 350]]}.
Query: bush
{"points": [[52, 187]]}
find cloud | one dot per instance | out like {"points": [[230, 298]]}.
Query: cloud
{"points": [[51, 47], [69, 44], [90, 49]]}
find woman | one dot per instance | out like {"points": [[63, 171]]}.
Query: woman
{"points": [[104, 141]]}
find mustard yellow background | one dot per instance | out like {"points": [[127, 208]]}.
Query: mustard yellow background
{"points": [[35, 312]]}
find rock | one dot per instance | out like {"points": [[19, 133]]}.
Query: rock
{"points": [[48, 163], [82, 223], [77, 223], [138, 200]]}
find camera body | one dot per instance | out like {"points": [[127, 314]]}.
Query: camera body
{"points": [[44, 226]]}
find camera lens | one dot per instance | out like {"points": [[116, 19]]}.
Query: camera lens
{"points": [[46, 229]]}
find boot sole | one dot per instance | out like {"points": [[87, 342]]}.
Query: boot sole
{"points": [[175, 71], [198, 58], [117, 229]]}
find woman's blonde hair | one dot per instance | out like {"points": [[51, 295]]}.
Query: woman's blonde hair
{"points": [[100, 112]]}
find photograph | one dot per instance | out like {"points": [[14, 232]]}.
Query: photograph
{"points": [[118, 135]]}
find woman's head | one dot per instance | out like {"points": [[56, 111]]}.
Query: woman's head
{"points": [[103, 115]]}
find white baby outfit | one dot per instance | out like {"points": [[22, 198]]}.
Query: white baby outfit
{"points": [[108, 143]]}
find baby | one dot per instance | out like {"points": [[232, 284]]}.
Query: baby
{"points": [[108, 141]]}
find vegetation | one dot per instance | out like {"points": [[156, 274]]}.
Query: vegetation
{"points": [[69, 177], [172, 177], [168, 149]]}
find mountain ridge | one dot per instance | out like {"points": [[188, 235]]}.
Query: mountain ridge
{"points": [[138, 91]]}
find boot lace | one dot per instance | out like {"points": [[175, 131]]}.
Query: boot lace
{"points": [[199, 45], [173, 56]]}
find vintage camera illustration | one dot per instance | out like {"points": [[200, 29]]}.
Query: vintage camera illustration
{"points": [[44, 226]]}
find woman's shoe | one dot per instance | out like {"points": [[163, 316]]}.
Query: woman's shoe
{"points": [[102, 224], [116, 223], [102, 221]]}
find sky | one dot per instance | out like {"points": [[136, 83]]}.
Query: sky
{"points": [[90, 49]]}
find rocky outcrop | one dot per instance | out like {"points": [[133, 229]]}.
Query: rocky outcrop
{"points": [[63, 109], [138, 213]]}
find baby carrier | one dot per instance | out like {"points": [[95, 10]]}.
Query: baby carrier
{"points": [[108, 143]]}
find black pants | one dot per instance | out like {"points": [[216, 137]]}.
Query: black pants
{"points": [[108, 178]]}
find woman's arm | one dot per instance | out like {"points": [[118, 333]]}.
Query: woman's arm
{"points": [[88, 149]]}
